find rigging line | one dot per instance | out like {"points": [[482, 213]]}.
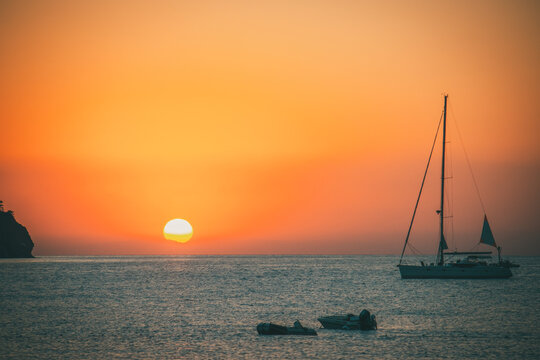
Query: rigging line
{"points": [[449, 228], [421, 187], [449, 192], [467, 158], [452, 239], [475, 247], [415, 250]]}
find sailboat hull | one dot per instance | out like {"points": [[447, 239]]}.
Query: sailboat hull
{"points": [[454, 272]]}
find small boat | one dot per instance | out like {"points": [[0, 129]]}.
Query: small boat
{"points": [[364, 321], [474, 266], [274, 329]]}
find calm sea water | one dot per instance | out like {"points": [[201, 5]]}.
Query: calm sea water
{"points": [[208, 307]]}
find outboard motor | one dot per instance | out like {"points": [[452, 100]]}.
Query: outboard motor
{"points": [[367, 321], [364, 315]]}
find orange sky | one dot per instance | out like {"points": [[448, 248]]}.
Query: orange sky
{"points": [[272, 126]]}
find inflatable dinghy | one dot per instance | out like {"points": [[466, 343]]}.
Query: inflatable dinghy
{"points": [[274, 329]]}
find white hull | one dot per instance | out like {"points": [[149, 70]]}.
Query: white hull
{"points": [[454, 272], [348, 322]]}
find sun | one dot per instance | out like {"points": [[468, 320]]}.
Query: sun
{"points": [[178, 230]]}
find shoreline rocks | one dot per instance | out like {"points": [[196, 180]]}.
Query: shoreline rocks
{"points": [[15, 242]]}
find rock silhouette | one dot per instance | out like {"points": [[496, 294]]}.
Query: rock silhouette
{"points": [[15, 242]]}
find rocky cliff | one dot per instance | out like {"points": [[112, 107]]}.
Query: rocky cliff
{"points": [[15, 242]]}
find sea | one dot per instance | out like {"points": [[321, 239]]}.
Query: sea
{"points": [[208, 307]]}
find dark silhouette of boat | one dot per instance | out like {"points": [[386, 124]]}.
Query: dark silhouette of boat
{"points": [[364, 321], [474, 266], [275, 329]]}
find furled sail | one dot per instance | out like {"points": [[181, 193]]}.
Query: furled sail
{"points": [[444, 245], [487, 236]]}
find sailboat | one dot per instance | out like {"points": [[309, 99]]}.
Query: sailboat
{"points": [[475, 265]]}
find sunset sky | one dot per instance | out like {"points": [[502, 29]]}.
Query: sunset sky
{"points": [[273, 127]]}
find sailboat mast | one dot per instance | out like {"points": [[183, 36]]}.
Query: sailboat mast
{"points": [[442, 242]]}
